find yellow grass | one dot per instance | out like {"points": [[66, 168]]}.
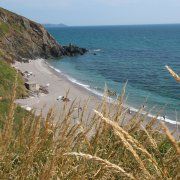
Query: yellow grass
{"points": [[173, 74], [97, 147]]}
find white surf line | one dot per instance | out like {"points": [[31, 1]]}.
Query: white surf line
{"points": [[111, 100]]}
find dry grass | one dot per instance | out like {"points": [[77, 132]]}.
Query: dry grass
{"points": [[104, 162], [173, 74], [106, 145]]}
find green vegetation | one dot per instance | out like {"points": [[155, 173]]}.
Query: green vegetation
{"points": [[7, 81], [18, 28], [104, 145], [1, 53], [4, 27]]}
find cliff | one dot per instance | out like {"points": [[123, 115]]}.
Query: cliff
{"points": [[21, 39]]}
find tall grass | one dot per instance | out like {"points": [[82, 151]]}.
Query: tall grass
{"points": [[173, 74], [107, 144]]}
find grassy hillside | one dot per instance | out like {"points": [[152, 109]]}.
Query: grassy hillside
{"points": [[7, 81], [103, 146]]}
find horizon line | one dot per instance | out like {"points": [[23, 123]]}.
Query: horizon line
{"points": [[111, 24]]}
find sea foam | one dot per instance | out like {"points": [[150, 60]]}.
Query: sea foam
{"points": [[97, 50]]}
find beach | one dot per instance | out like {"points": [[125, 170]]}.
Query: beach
{"points": [[58, 86]]}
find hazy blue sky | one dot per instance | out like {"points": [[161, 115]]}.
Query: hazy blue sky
{"points": [[97, 12]]}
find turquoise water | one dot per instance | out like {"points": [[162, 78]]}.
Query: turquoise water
{"points": [[136, 54]]}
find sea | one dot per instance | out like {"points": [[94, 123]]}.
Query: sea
{"points": [[135, 55]]}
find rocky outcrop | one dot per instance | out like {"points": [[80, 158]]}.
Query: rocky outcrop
{"points": [[73, 50], [21, 39]]}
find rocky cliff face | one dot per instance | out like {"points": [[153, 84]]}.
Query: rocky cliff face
{"points": [[21, 39]]}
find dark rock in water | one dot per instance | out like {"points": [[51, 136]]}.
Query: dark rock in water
{"points": [[73, 50], [22, 39], [94, 54]]}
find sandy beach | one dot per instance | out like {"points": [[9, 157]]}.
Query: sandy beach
{"points": [[58, 85]]}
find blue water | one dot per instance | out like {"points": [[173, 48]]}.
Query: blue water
{"points": [[137, 54]]}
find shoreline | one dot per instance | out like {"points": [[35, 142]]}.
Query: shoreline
{"points": [[99, 95], [58, 86], [44, 73]]}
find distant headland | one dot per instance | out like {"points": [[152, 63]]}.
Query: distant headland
{"points": [[49, 25]]}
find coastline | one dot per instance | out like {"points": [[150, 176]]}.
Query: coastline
{"points": [[99, 95], [59, 84]]}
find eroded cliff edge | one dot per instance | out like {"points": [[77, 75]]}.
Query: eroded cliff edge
{"points": [[21, 39]]}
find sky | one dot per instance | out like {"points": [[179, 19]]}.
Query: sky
{"points": [[97, 12]]}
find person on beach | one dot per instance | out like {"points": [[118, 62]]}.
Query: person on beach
{"points": [[65, 99], [79, 110], [164, 117], [129, 111], [62, 98]]}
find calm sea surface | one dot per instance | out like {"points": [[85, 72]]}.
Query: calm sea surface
{"points": [[137, 54]]}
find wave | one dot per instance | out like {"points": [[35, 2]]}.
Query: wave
{"points": [[165, 120], [77, 82], [57, 70], [153, 116], [97, 50], [110, 100], [87, 87]]}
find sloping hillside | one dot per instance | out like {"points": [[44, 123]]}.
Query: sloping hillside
{"points": [[22, 38], [7, 81]]}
